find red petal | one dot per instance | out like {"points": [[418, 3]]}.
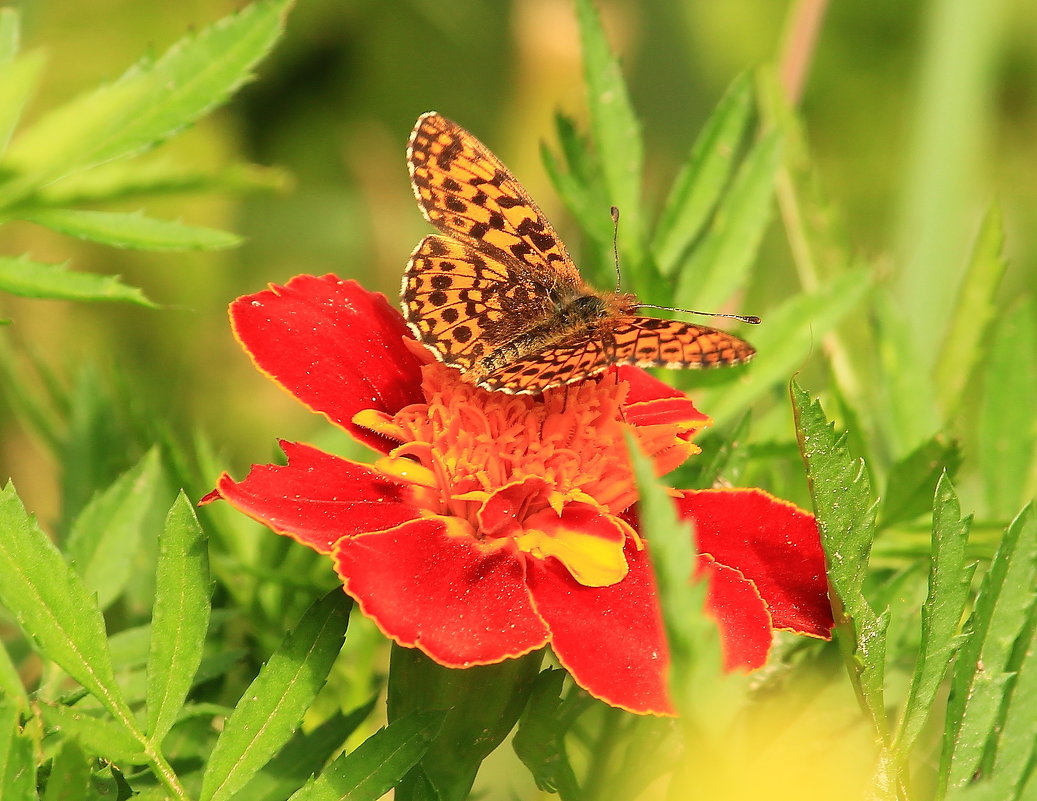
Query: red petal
{"points": [[610, 639], [774, 544], [460, 603], [651, 402], [317, 498], [332, 344], [741, 614]]}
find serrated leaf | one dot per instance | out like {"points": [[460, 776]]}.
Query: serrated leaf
{"points": [[107, 533], [180, 618], [539, 740], [913, 480], [963, 343], [303, 756], [149, 103], [950, 582], [377, 764], [19, 78], [52, 606], [17, 761], [133, 231], [701, 180], [273, 705], [720, 264], [33, 279], [101, 736], [614, 127], [122, 180], [981, 673], [785, 339], [1007, 437], [1016, 744], [845, 511], [69, 774]]}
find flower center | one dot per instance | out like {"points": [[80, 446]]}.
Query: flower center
{"points": [[549, 476]]}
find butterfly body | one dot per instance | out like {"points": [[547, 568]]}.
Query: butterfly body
{"points": [[501, 300]]}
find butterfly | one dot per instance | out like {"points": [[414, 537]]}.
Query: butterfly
{"points": [[499, 298]]}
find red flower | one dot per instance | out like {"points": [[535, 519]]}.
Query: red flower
{"points": [[494, 524]]}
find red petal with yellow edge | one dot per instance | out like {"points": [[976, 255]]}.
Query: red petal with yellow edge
{"points": [[461, 603], [774, 544], [333, 345], [610, 639], [651, 402], [741, 615], [317, 498]]}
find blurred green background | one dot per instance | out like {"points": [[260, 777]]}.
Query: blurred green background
{"points": [[335, 103]]}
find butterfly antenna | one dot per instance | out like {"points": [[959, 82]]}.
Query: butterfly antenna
{"points": [[614, 210], [752, 319]]}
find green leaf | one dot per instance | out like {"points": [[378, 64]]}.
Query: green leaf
{"points": [[149, 103], [1007, 433], [53, 607], [33, 279], [17, 760], [963, 344], [699, 687], [134, 231], [180, 618], [273, 705], [122, 180], [377, 764], [845, 511], [614, 128], [107, 533], [785, 339], [701, 181], [303, 756], [69, 774], [913, 480], [720, 264], [950, 581], [483, 703], [540, 739], [580, 199], [1016, 744], [101, 736], [18, 80], [981, 673], [11, 687]]}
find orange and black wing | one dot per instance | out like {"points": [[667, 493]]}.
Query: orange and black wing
{"points": [[464, 190], [642, 341]]}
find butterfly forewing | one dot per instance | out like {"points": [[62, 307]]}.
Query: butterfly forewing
{"points": [[464, 190]]}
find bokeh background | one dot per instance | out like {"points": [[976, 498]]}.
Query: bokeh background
{"points": [[335, 102]]}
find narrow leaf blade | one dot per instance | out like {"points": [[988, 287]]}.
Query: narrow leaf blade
{"points": [[52, 606], [180, 618], [132, 231], [33, 279], [701, 181], [272, 706]]}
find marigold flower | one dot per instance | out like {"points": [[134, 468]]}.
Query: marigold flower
{"points": [[492, 524]]}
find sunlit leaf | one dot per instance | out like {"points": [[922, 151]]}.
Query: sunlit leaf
{"points": [[133, 231], [33, 279]]}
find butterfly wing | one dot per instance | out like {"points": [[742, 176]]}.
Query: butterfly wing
{"points": [[641, 341], [464, 190], [463, 304]]}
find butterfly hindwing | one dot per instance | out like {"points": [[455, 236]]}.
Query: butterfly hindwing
{"points": [[464, 304]]}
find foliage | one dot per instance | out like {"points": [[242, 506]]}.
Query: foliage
{"points": [[153, 651]]}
